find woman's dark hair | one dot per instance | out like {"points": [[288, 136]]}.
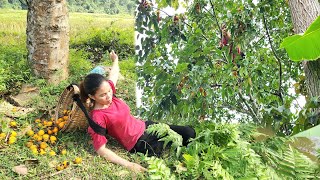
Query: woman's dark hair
{"points": [[90, 85]]}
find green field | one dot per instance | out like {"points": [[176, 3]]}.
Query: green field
{"points": [[13, 24]]}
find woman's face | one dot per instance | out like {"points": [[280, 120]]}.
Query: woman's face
{"points": [[103, 95]]}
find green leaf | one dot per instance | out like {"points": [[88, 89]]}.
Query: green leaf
{"points": [[181, 67], [306, 46]]}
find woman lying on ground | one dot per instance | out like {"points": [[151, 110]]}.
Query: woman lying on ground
{"points": [[112, 116]]}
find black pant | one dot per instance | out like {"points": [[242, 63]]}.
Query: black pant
{"points": [[149, 142]]}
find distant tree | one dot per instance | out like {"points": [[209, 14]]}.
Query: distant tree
{"points": [[48, 39], [3, 3]]}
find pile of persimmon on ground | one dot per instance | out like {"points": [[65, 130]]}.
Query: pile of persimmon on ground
{"points": [[42, 138]]}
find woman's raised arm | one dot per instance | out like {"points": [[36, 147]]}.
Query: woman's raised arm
{"points": [[115, 70]]}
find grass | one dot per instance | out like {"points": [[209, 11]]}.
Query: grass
{"points": [[12, 34]]}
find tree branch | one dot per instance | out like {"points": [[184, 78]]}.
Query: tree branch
{"points": [[216, 19], [276, 56], [252, 112], [238, 109], [254, 103], [180, 21], [215, 85]]}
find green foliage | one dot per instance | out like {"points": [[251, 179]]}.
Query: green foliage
{"points": [[306, 46], [288, 162], [226, 151], [189, 63]]}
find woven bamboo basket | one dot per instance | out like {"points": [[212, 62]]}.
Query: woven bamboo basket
{"points": [[76, 119]]}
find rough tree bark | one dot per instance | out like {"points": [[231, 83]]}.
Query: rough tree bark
{"points": [[303, 13], [48, 39]]}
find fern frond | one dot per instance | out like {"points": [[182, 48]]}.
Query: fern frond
{"points": [[157, 169], [214, 170], [193, 165], [166, 135]]}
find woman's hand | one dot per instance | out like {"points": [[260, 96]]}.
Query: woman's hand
{"points": [[113, 56], [136, 167], [113, 157]]}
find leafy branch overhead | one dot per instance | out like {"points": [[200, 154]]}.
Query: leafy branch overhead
{"points": [[306, 46], [216, 60]]}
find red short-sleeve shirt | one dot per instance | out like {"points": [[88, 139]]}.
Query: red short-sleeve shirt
{"points": [[120, 124]]}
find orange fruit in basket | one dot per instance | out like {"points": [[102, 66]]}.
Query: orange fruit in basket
{"points": [[65, 112], [61, 124], [49, 123], [65, 118], [59, 120]]}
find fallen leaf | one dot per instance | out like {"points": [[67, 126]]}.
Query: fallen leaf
{"points": [[53, 163], [21, 169], [29, 89]]}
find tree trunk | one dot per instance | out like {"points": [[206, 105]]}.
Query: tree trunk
{"points": [[48, 39], [303, 13]]}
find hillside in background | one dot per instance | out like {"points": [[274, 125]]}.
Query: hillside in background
{"points": [[89, 6]]}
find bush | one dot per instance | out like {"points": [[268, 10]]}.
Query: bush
{"points": [[99, 41], [14, 69]]}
